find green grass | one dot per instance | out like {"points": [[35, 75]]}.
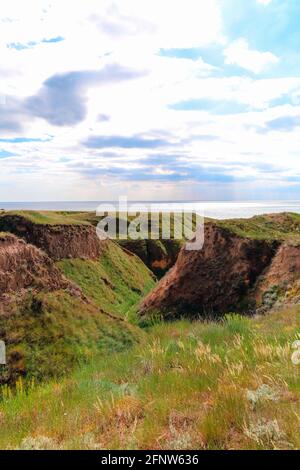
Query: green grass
{"points": [[274, 227], [150, 251], [180, 385], [116, 283], [48, 333], [51, 217], [77, 217], [185, 386], [285, 226]]}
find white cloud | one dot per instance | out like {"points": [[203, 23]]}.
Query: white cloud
{"points": [[264, 2], [239, 53], [98, 33]]}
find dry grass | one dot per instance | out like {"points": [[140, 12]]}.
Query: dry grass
{"points": [[228, 385]]}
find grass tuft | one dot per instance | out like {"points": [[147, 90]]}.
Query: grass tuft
{"points": [[189, 385]]}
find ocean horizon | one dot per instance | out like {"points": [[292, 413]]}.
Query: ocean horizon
{"points": [[215, 209]]}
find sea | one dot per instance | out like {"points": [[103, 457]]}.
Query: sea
{"points": [[214, 209]]}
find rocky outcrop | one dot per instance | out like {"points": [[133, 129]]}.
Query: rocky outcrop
{"points": [[23, 266], [216, 279], [58, 241]]}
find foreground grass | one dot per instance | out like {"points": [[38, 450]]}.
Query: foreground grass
{"points": [[200, 385]]}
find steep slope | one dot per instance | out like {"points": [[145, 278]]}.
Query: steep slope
{"points": [[279, 284], [40, 228], [113, 277], [46, 321], [158, 255], [115, 282], [241, 261], [23, 266], [58, 240], [48, 333]]}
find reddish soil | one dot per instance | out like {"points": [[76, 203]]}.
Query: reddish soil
{"points": [[23, 266], [215, 279], [58, 241], [284, 268]]}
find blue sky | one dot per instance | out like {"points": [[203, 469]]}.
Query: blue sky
{"points": [[180, 99]]}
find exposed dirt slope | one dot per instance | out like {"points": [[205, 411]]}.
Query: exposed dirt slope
{"points": [[71, 235], [24, 266], [284, 268], [58, 241], [215, 279]]}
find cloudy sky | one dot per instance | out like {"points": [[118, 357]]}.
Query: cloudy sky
{"points": [[156, 100]]}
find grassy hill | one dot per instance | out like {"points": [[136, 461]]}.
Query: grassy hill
{"points": [[159, 255], [115, 283], [50, 324], [270, 226], [51, 217], [96, 380], [188, 385], [49, 333], [281, 227]]}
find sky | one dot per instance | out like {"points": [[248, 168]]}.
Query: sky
{"points": [[153, 100]]}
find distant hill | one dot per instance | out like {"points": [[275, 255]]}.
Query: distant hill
{"points": [[246, 265]]}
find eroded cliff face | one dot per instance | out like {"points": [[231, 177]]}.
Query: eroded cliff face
{"points": [[58, 241], [216, 279], [23, 266], [279, 283]]}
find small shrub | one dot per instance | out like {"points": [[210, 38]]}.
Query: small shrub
{"points": [[263, 393], [264, 431]]}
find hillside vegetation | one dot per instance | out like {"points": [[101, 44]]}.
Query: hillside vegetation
{"points": [[51, 324], [200, 385], [158, 254], [281, 227], [116, 282], [49, 333], [270, 226], [50, 217]]}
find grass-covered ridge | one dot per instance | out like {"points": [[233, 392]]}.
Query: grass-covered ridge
{"points": [[48, 333], [51, 217], [116, 282], [281, 227], [273, 225], [89, 217], [158, 254], [268, 226], [227, 385]]}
